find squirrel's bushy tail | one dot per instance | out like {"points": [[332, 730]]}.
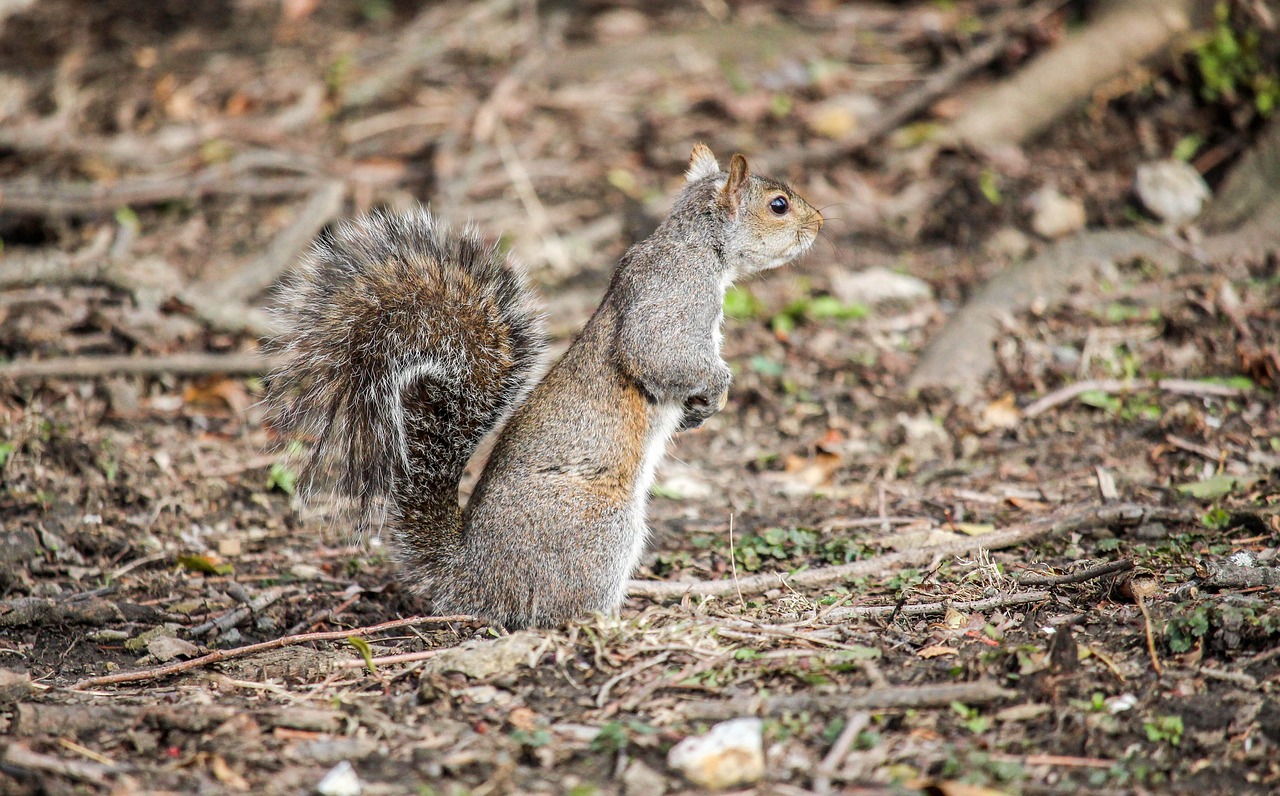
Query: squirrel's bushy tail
{"points": [[403, 344]]}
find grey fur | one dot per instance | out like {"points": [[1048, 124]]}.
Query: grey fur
{"points": [[397, 386]]}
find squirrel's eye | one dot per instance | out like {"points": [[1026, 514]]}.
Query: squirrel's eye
{"points": [[779, 205]]}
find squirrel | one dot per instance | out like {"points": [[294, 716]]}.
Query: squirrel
{"points": [[404, 344]]}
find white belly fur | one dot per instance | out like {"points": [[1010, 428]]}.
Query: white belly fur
{"points": [[666, 420]]}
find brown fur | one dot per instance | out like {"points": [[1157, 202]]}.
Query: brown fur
{"points": [[397, 325]]}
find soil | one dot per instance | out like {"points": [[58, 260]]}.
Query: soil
{"points": [[146, 520]]}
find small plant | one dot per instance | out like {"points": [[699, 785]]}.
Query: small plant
{"points": [[1216, 519], [1232, 66], [816, 308], [611, 739], [1187, 629], [282, 478], [1164, 729], [739, 302], [973, 719]]}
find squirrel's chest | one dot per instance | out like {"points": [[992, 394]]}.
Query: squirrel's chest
{"points": [[665, 420]]}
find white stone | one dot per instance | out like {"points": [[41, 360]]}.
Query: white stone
{"points": [[732, 753], [878, 285], [1171, 189], [1054, 215], [340, 781]]}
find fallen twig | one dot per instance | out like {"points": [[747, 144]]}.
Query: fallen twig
{"points": [[938, 608], [239, 652], [74, 610], [1178, 386], [257, 275], [101, 263], [72, 199], [913, 102], [388, 660], [423, 40], [1039, 530], [1233, 576], [92, 367], [854, 723], [897, 697], [1080, 576], [1128, 32], [21, 757], [553, 246], [234, 617], [603, 695]]}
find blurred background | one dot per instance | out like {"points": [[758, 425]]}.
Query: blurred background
{"points": [[202, 145]]}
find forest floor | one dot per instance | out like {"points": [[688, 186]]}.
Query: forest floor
{"points": [[1064, 580]]}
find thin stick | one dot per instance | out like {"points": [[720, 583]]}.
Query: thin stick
{"points": [[528, 195], [1151, 639], [93, 367], [1089, 573], [871, 699], [276, 643], [939, 608], [854, 723], [1121, 514], [21, 757], [733, 564], [235, 616], [1179, 386], [913, 102], [603, 696], [74, 199], [257, 275], [388, 660]]}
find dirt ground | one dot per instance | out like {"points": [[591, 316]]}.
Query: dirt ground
{"points": [[1064, 581]]}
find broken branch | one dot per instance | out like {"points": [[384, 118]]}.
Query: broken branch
{"points": [[239, 652], [1123, 514], [896, 697]]}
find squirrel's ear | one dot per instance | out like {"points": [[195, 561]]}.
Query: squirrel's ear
{"points": [[702, 163], [731, 194]]}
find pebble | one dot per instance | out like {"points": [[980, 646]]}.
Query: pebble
{"points": [[840, 117], [1172, 190], [878, 285], [1008, 243], [1053, 215], [640, 780], [340, 781], [732, 753]]}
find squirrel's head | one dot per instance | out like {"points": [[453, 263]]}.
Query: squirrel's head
{"points": [[766, 223]]}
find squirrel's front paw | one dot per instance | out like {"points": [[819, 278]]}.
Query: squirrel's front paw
{"points": [[697, 408]]}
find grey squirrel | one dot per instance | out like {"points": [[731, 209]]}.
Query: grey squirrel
{"points": [[405, 344]]}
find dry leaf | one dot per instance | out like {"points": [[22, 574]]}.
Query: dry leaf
{"points": [[227, 776], [1002, 413], [937, 651], [812, 471], [218, 394], [523, 719], [296, 10]]}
